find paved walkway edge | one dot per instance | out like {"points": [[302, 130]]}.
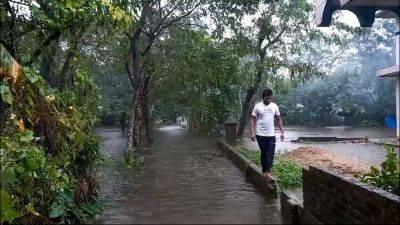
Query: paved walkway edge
{"points": [[250, 170]]}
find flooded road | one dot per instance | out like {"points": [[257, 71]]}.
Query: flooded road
{"points": [[183, 180]]}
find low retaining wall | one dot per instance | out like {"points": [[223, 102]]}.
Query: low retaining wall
{"points": [[251, 171], [386, 141], [291, 208], [328, 139], [332, 199]]}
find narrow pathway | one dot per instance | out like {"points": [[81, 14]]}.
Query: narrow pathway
{"points": [[183, 180]]}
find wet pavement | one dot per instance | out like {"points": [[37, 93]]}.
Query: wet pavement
{"points": [[368, 152], [183, 180]]}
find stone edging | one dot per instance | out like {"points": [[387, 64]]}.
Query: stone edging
{"points": [[291, 208], [251, 171]]}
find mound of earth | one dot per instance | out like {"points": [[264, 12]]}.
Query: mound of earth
{"points": [[317, 157]]}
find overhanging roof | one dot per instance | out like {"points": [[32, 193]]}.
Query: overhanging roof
{"points": [[365, 10], [393, 71]]}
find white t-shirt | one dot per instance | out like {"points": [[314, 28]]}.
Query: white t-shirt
{"points": [[265, 117]]}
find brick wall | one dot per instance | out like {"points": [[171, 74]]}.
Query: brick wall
{"points": [[332, 199]]}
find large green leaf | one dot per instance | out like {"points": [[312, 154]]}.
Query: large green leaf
{"points": [[34, 159], [7, 212], [26, 136], [56, 210], [31, 75], [6, 93], [8, 177]]}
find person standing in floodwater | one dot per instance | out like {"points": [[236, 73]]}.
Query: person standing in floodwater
{"points": [[262, 129], [122, 121]]}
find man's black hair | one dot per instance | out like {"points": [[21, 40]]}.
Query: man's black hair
{"points": [[267, 92]]}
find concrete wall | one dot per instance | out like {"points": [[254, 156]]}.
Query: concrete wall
{"points": [[251, 171], [291, 208], [333, 199]]}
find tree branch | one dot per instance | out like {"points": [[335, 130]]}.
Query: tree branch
{"points": [[276, 39], [176, 19], [129, 72], [54, 36]]}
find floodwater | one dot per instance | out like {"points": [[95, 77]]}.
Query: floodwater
{"points": [[183, 180], [367, 152]]}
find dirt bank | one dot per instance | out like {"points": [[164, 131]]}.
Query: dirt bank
{"points": [[322, 158]]}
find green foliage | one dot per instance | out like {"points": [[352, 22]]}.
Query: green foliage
{"points": [[28, 176], [352, 94], [251, 154], [116, 98], [132, 159], [199, 80], [288, 173], [5, 93], [7, 211], [65, 207], [388, 176], [47, 146]]}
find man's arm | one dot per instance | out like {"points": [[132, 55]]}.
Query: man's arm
{"points": [[253, 127], [280, 125]]}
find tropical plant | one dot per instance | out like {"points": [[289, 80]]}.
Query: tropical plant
{"points": [[47, 146], [388, 176]]}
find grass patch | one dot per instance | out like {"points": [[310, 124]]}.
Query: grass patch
{"points": [[132, 159], [288, 173]]}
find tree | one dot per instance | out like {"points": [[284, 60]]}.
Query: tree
{"points": [[279, 25], [351, 94], [153, 18], [195, 75], [49, 109]]}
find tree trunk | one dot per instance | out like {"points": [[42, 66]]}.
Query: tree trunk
{"points": [[250, 93], [47, 63], [140, 125], [64, 70], [67, 62], [133, 139], [245, 111], [145, 128]]}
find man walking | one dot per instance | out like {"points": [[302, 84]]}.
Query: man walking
{"points": [[122, 121], [262, 129]]}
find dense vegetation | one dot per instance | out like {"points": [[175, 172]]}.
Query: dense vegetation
{"points": [[49, 109], [352, 94], [48, 147]]}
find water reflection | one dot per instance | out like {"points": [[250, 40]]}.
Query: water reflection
{"points": [[183, 180]]}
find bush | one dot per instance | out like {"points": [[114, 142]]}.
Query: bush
{"points": [[388, 177], [288, 173], [48, 149]]}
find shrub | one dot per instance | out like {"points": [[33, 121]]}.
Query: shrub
{"points": [[288, 173], [388, 177], [47, 149]]}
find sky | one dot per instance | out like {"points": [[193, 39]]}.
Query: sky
{"points": [[349, 18]]}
